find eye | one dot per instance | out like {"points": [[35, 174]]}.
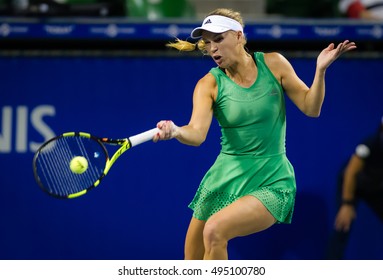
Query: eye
{"points": [[218, 39]]}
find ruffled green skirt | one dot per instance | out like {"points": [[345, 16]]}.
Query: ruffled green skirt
{"points": [[270, 179]]}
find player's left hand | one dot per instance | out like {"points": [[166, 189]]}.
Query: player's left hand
{"points": [[330, 54]]}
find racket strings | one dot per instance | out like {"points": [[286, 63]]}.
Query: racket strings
{"points": [[93, 171], [53, 165], [56, 174]]}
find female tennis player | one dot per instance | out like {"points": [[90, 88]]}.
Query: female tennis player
{"points": [[251, 185]]}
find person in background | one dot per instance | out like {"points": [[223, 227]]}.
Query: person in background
{"points": [[362, 9], [361, 179]]}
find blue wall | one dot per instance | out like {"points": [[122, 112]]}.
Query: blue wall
{"points": [[140, 210]]}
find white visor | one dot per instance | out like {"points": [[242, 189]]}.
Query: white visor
{"points": [[216, 24]]}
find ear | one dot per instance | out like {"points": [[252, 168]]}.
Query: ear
{"points": [[239, 35]]}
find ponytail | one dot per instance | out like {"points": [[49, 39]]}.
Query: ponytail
{"points": [[187, 46]]}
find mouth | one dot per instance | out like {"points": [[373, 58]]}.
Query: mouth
{"points": [[217, 59]]}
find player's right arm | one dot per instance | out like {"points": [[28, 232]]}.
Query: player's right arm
{"points": [[195, 132]]}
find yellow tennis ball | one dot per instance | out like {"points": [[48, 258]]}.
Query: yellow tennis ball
{"points": [[78, 165]]}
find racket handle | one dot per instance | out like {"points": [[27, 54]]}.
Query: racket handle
{"points": [[143, 137]]}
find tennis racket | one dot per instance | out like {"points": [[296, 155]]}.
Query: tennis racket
{"points": [[53, 162]]}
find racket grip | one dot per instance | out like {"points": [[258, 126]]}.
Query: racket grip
{"points": [[143, 137]]}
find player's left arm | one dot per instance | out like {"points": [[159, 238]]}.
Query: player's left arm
{"points": [[308, 100]]}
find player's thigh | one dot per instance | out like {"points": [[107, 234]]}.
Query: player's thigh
{"points": [[245, 216]]}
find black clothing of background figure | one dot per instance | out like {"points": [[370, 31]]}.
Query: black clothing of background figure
{"points": [[361, 179]]}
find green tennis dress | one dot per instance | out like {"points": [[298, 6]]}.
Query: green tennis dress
{"points": [[252, 160]]}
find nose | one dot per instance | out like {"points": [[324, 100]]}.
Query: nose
{"points": [[213, 47]]}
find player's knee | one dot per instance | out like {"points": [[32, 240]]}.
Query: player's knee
{"points": [[213, 234]]}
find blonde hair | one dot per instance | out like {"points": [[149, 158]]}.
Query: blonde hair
{"points": [[183, 45]]}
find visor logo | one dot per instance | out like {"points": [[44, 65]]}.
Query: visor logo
{"points": [[208, 21]]}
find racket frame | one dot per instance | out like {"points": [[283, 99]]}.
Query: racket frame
{"points": [[124, 143]]}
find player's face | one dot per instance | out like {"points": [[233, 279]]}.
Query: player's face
{"points": [[222, 46]]}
